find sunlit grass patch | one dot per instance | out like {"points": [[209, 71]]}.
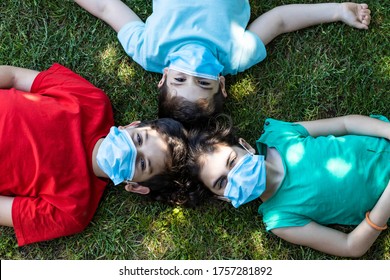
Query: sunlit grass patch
{"points": [[244, 87]]}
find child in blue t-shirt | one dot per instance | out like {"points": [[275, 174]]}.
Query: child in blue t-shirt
{"points": [[195, 43], [308, 175]]}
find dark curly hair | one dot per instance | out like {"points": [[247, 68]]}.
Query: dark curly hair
{"points": [[190, 114], [166, 187]]}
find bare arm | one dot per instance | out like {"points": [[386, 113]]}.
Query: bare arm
{"points": [[334, 242], [6, 211], [352, 124], [114, 12], [15, 77], [294, 17]]}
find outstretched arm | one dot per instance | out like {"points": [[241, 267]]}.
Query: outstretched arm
{"points": [[114, 12], [334, 242], [293, 17], [352, 124], [15, 77]]}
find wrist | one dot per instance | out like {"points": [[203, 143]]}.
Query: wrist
{"points": [[339, 13]]}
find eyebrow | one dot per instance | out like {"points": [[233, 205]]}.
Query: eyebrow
{"points": [[149, 162], [227, 164], [229, 157], [150, 167]]}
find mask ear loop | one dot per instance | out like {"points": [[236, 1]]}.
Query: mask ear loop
{"points": [[221, 197], [127, 181], [240, 141]]}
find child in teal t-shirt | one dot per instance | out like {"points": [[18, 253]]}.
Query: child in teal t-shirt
{"points": [[309, 175], [328, 179], [194, 43]]}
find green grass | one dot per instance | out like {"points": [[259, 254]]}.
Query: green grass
{"points": [[324, 71]]}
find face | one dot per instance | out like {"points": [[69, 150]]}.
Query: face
{"points": [[152, 152], [216, 166], [190, 87]]}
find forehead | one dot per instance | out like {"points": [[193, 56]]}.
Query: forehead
{"points": [[213, 165], [192, 93]]}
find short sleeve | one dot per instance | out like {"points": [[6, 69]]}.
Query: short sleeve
{"points": [[253, 51], [277, 219], [36, 219], [275, 131], [58, 76], [380, 117], [131, 37]]}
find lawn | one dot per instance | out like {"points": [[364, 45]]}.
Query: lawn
{"points": [[325, 71]]}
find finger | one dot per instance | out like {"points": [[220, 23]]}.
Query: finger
{"points": [[366, 20]]}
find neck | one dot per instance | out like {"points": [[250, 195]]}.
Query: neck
{"points": [[96, 169], [274, 173]]}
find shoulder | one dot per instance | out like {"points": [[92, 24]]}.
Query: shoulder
{"points": [[276, 131], [58, 75], [59, 79]]}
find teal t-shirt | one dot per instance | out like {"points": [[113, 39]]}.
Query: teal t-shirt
{"points": [[218, 25], [329, 180]]}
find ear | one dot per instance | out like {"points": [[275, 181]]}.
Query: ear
{"points": [[134, 123], [222, 85], [163, 78], [136, 188], [246, 145]]}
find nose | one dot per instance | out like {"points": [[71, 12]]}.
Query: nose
{"points": [[192, 80], [142, 151]]}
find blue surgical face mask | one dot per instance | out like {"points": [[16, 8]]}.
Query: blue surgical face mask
{"points": [[196, 61], [116, 156], [246, 180]]}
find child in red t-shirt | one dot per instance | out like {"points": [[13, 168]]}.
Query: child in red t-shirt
{"points": [[58, 147]]}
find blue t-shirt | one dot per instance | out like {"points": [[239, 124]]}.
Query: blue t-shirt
{"points": [[218, 25], [328, 179]]}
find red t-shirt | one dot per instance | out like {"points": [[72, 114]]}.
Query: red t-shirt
{"points": [[46, 143]]}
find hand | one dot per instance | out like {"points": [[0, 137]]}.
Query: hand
{"points": [[355, 15]]}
